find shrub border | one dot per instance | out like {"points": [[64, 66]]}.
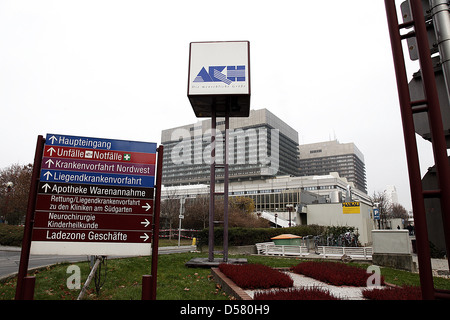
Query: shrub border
{"points": [[232, 288], [237, 292], [228, 285]]}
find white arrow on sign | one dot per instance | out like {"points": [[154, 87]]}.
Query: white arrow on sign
{"points": [[47, 174], [147, 206], [145, 223], [53, 138], [51, 150], [49, 162], [145, 237], [46, 186]]}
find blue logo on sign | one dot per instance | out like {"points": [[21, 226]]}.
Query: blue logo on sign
{"points": [[226, 74]]}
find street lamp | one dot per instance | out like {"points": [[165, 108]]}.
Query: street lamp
{"points": [[181, 217], [9, 186], [289, 207]]}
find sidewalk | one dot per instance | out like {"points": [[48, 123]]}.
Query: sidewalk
{"points": [[438, 265], [8, 248]]}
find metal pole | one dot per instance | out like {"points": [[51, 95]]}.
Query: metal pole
{"points": [[180, 216], [441, 21], [179, 233], [415, 180], [434, 117], [28, 230], [212, 187], [156, 213], [225, 190], [146, 287], [290, 210], [28, 288]]}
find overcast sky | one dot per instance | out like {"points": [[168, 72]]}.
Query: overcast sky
{"points": [[118, 69]]}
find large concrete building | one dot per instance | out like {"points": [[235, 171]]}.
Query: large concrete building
{"points": [[331, 156], [314, 200], [267, 165], [260, 147], [276, 193]]}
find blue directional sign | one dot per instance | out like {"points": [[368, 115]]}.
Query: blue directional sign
{"points": [[376, 214], [99, 143], [63, 176], [94, 190]]}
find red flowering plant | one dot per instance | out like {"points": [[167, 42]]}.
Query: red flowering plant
{"points": [[303, 293], [394, 293], [256, 276], [335, 273]]}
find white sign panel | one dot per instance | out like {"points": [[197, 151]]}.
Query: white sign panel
{"points": [[219, 68]]}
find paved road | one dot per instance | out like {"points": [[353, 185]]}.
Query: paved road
{"points": [[10, 258]]}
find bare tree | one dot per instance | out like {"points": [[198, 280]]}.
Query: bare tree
{"points": [[381, 201], [197, 212], [398, 211], [170, 209], [15, 183]]}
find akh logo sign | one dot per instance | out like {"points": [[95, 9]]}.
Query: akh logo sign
{"points": [[219, 71], [226, 74]]}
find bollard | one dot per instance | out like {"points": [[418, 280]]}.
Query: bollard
{"points": [[146, 287], [28, 288]]}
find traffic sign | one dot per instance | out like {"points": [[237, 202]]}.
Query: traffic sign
{"points": [[99, 155], [97, 166], [95, 196], [102, 236], [99, 143], [376, 214], [50, 202], [73, 221], [95, 190], [92, 217], [97, 178]]}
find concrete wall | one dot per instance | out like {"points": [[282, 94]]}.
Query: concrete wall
{"points": [[392, 248], [391, 241], [331, 214]]}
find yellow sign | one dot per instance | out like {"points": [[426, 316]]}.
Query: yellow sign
{"points": [[351, 207]]}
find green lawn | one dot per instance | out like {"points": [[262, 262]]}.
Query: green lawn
{"points": [[175, 281]]}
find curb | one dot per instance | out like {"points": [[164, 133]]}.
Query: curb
{"points": [[10, 248], [228, 285]]}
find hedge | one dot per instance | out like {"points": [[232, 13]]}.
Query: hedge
{"points": [[11, 235], [249, 236]]}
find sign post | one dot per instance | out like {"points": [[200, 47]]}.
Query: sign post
{"points": [[219, 86], [88, 201], [91, 196], [22, 286]]}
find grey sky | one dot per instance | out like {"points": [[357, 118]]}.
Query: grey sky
{"points": [[118, 69]]}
